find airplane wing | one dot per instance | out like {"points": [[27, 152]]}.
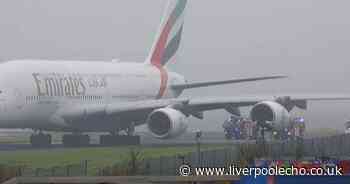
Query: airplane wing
{"points": [[194, 106], [215, 83], [289, 101], [213, 103]]}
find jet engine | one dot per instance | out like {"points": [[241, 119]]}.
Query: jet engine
{"points": [[272, 113], [167, 123]]}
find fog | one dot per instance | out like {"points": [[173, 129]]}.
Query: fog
{"points": [[308, 40]]}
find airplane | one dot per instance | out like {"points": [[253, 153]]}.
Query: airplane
{"points": [[113, 97]]}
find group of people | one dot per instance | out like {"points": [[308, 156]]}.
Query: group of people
{"points": [[239, 128]]}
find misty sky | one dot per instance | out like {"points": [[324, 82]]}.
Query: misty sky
{"points": [[308, 40]]}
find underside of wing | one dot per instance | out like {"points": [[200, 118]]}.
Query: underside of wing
{"points": [[193, 106], [290, 101]]}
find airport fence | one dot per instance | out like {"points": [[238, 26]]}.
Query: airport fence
{"points": [[58, 171], [337, 146], [169, 165], [334, 147]]}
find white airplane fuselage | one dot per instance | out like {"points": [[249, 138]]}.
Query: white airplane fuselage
{"points": [[32, 91], [60, 95]]}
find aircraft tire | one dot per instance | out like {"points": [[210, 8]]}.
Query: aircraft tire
{"points": [[40, 140], [75, 140]]}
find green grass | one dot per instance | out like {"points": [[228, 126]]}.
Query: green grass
{"points": [[97, 157]]}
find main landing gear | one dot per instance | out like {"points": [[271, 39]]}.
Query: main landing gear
{"points": [[40, 140], [75, 140]]}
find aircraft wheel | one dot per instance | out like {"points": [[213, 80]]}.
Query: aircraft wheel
{"points": [[40, 140], [75, 140]]}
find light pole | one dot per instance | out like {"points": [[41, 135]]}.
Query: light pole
{"points": [[198, 141]]}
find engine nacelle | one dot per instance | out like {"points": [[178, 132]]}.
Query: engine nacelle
{"points": [[271, 112], [167, 123]]}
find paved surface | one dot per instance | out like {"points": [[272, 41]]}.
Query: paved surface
{"points": [[16, 147], [18, 140]]}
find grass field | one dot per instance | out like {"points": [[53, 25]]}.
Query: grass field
{"points": [[97, 157]]}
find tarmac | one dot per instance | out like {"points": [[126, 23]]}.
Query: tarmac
{"points": [[19, 140]]}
